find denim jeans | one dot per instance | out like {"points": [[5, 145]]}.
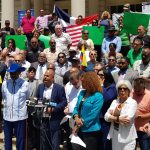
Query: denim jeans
{"points": [[144, 140]]}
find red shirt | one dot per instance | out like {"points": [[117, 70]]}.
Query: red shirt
{"points": [[27, 24]]}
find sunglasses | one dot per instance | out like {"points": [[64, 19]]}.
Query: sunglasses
{"points": [[93, 54], [121, 62], [61, 57], [51, 68], [111, 59], [17, 60], [122, 88], [85, 33], [101, 75]]}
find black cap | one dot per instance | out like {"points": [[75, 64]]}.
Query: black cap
{"points": [[112, 28]]}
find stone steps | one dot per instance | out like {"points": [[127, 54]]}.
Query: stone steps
{"points": [[2, 142]]}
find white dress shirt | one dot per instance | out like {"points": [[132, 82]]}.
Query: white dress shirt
{"points": [[48, 92], [40, 71], [72, 94]]}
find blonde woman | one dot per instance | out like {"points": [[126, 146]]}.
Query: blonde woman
{"points": [[121, 114], [106, 22]]}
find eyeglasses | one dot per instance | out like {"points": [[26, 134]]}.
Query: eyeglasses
{"points": [[121, 63], [101, 75], [111, 59], [51, 68], [85, 33], [93, 54], [61, 57], [122, 88], [17, 60]]}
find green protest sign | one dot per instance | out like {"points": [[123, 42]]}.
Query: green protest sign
{"points": [[95, 33], [20, 41], [133, 20]]}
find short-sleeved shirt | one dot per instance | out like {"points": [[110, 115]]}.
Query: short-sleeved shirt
{"points": [[62, 41], [143, 70], [51, 56], [143, 108], [134, 56]]}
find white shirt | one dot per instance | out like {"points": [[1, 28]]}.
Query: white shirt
{"points": [[62, 41], [26, 64], [48, 92], [51, 56], [143, 70], [15, 95], [41, 21], [126, 133], [40, 71], [72, 96]]}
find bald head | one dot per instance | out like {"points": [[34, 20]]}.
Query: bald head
{"points": [[34, 42], [51, 66], [48, 77], [74, 69], [23, 54], [18, 58]]}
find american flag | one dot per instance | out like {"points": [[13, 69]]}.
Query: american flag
{"points": [[75, 31]]}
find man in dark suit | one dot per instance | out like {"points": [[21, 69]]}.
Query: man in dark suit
{"points": [[40, 66], [124, 72], [54, 93]]}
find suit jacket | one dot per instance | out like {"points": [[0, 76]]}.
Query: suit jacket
{"points": [[89, 111], [130, 75], [35, 64], [57, 96]]}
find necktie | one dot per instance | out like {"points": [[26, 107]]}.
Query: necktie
{"points": [[40, 72]]}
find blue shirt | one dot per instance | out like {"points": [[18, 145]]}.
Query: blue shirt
{"points": [[15, 94], [90, 111], [108, 40], [90, 66]]}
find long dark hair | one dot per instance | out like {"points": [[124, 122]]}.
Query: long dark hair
{"points": [[13, 43], [108, 78]]}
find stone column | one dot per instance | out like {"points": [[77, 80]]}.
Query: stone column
{"points": [[7, 12], [25, 4], [77, 8], [93, 7], [38, 5], [49, 6]]}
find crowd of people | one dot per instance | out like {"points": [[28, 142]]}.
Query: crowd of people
{"points": [[108, 100]]}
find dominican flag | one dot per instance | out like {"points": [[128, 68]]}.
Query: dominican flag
{"points": [[70, 26], [64, 18]]}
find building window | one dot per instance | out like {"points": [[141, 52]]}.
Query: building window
{"points": [[119, 9], [66, 10]]}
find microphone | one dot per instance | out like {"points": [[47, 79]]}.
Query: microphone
{"points": [[49, 103], [52, 104]]}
